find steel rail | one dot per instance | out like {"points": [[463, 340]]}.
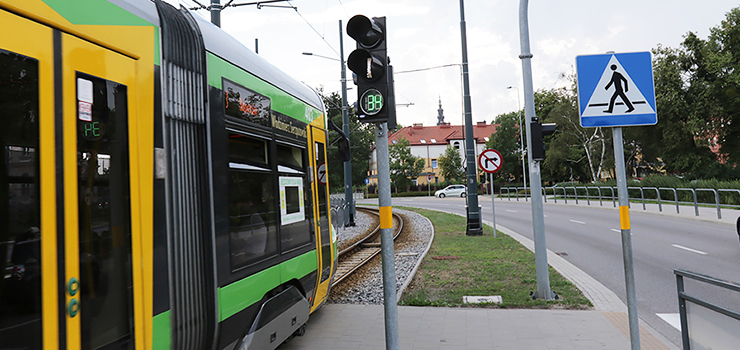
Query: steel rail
{"points": [[364, 248]]}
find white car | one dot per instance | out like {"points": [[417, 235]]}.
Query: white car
{"points": [[452, 191]]}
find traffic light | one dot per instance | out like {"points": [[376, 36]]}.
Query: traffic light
{"points": [[539, 131], [369, 62], [342, 142]]}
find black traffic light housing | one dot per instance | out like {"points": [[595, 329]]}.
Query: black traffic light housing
{"points": [[342, 142], [539, 131], [369, 62]]}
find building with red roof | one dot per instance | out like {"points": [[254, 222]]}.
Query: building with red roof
{"points": [[430, 142]]}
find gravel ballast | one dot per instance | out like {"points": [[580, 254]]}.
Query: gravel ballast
{"points": [[365, 286]]}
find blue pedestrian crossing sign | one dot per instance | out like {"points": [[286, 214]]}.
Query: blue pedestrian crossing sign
{"points": [[616, 89]]}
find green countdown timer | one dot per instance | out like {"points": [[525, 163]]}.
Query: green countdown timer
{"points": [[371, 101]]}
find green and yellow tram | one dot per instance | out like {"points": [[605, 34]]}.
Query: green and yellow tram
{"points": [[161, 186]]}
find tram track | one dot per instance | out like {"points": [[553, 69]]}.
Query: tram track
{"points": [[359, 253]]}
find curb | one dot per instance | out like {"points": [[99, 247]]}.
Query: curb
{"points": [[411, 275]]}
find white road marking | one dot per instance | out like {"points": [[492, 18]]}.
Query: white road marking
{"points": [[617, 231], [578, 222], [689, 249], [511, 211], [672, 319]]}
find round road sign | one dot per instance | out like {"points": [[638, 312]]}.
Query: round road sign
{"points": [[322, 173], [490, 161], [430, 177]]}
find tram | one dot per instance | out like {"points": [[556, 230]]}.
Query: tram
{"points": [[161, 186]]}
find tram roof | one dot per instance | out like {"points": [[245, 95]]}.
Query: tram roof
{"points": [[227, 47], [147, 10]]}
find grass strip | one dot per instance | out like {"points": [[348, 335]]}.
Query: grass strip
{"points": [[481, 266]]}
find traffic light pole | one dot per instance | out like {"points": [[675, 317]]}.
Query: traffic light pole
{"points": [[474, 226], [538, 215], [349, 200], [375, 105], [386, 237]]}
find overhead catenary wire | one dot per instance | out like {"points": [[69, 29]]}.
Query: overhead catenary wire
{"points": [[429, 68], [314, 29]]}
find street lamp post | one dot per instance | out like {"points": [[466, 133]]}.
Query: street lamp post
{"points": [[349, 215], [521, 138], [474, 226]]}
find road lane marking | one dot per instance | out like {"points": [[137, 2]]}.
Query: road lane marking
{"points": [[672, 319], [617, 231], [689, 249], [578, 222], [511, 211]]}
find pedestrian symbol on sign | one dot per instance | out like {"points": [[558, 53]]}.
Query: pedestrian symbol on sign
{"points": [[617, 80]]}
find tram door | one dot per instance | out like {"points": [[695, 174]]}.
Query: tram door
{"points": [[318, 138], [28, 274], [97, 89], [65, 203]]}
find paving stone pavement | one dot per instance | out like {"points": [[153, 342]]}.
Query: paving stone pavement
{"points": [[361, 327]]}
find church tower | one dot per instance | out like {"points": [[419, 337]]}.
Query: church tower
{"points": [[440, 113]]}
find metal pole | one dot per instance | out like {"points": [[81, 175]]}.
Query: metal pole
{"points": [[386, 237], [215, 9], [349, 215], [624, 219], [474, 227], [493, 209], [538, 215]]}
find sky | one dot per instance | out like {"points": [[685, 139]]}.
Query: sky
{"points": [[427, 33]]}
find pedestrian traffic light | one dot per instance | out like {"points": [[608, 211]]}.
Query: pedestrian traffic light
{"points": [[539, 131], [369, 62]]}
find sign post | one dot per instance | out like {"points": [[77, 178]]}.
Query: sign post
{"points": [[616, 90], [429, 184], [491, 161]]}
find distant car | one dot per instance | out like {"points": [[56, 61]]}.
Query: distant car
{"points": [[452, 191]]}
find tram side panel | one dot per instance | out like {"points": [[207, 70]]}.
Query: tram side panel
{"points": [[258, 190], [265, 243]]}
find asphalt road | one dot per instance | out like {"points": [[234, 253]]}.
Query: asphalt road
{"points": [[589, 238]]}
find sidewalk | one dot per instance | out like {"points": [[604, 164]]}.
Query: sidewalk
{"points": [[361, 327]]}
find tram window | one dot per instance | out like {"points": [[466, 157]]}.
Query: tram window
{"points": [[243, 149], [252, 222], [291, 156], [252, 212], [20, 237], [106, 285], [295, 228]]}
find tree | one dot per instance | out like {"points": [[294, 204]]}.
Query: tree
{"points": [[451, 165], [404, 166], [506, 140], [698, 102], [361, 139], [573, 152]]}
